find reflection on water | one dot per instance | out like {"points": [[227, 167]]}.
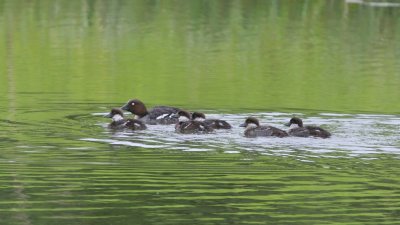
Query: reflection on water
{"points": [[276, 55], [91, 174], [333, 63]]}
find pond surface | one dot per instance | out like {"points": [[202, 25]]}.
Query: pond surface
{"points": [[66, 63]]}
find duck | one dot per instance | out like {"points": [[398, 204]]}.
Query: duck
{"points": [[254, 129], [119, 122], [186, 125], [117, 117], [157, 115], [298, 130], [214, 123], [134, 124]]}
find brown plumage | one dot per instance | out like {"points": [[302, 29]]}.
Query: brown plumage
{"points": [[254, 129], [306, 131], [188, 126], [214, 123], [157, 115]]}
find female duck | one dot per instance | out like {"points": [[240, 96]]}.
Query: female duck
{"points": [[157, 115], [214, 123], [188, 126], [254, 129], [297, 129]]}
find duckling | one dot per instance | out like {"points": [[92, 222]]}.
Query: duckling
{"points": [[119, 122], [117, 117], [254, 129], [214, 123], [297, 129], [135, 124], [188, 126]]}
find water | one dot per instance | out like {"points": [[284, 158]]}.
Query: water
{"points": [[66, 63], [359, 135]]}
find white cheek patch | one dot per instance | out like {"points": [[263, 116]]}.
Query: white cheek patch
{"points": [[293, 125], [183, 119], [251, 125], [199, 119], [117, 117]]}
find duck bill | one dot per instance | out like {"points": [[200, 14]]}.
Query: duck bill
{"points": [[125, 107], [108, 115], [287, 124], [242, 125]]}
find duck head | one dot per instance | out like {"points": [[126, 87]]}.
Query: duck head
{"points": [[250, 121], [182, 116], [295, 121], [135, 106], [198, 116], [116, 114]]}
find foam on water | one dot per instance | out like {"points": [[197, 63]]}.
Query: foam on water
{"points": [[352, 135]]}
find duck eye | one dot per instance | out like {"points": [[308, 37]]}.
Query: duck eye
{"points": [[133, 103]]}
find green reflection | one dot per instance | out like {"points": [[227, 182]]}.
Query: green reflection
{"points": [[273, 55], [63, 60]]}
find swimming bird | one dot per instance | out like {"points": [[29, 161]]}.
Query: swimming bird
{"points": [[254, 129], [157, 115], [135, 124], [297, 129], [214, 123], [119, 122], [188, 126], [117, 117]]}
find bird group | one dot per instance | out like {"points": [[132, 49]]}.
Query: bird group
{"points": [[196, 122]]}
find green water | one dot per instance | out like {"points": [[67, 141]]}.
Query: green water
{"points": [[66, 62]]}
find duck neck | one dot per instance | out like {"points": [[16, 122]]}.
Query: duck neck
{"points": [[200, 119], [251, 126], [183, 119], [117, 118], [141, 112]]}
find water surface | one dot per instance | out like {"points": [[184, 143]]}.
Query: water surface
{"points": [[66, 63]]}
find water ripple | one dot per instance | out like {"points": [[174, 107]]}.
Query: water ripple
{"points": [[354, 135]]}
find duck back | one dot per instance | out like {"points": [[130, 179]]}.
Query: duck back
{"points": [[135, 124], [118, 124], [192, 127], [318, 132], [264, 131], [299, 132], [162, 115], [308, 131], [217, 124]]}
